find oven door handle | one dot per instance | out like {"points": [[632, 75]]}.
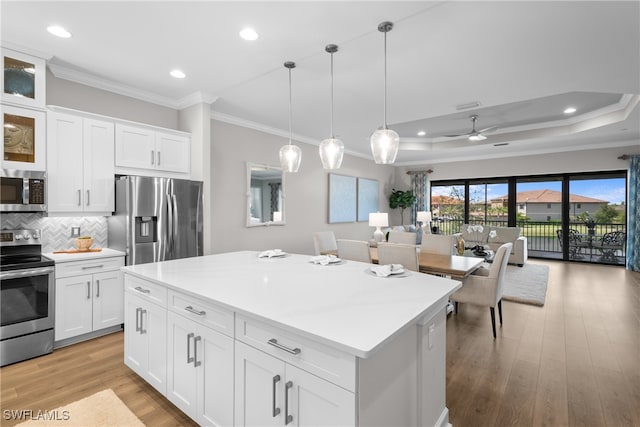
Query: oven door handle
{"points": [[25, 273]]}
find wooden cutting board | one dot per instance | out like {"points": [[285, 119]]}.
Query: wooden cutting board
{"points": [[77, 251]]}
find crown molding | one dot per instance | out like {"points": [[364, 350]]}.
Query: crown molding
{"points": [[87, 79], [26, 50]]}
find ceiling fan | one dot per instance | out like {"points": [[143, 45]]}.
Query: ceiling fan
{"points": [[474, 135]]}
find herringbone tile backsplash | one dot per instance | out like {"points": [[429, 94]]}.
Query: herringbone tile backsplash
{"points": [[56, 231]]}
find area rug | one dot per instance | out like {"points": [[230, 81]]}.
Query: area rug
{"points": [[101, 409], [527, 284]]}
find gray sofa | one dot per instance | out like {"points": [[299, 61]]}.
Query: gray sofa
{"points": [[503, 235]]}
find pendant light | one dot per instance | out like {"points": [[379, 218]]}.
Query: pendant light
{"points": [[290, 155], [331, 149], [384, 141]]}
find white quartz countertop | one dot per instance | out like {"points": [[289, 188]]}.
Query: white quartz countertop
{"points": [[342, 305], [82, 256]]}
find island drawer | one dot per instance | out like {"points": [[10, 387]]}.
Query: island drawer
{"points": [[146, 290], [76, 268], [321, 360], [207, 314]]}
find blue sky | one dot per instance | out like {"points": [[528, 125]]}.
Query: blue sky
{"points": [[612, 189]]}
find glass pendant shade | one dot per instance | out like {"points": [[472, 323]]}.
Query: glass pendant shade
{"points": [[477, 137], [290, 157], [384, 146], [331, 153]]}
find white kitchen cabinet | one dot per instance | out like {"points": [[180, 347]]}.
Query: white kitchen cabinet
{"points": [[23, 81], [270, 392], [152, 151], [200, 371], [25, 140], [80, 164], [145, 338], [89, 297]]}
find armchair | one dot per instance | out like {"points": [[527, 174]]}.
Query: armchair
{"points": [[484, 287]]}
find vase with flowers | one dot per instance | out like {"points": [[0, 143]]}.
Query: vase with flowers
{"points": [[479, 249]]}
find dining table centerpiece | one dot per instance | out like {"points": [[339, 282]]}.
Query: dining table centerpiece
{"points": [[476, 230]]}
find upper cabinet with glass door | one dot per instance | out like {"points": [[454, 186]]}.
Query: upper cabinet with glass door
{"points": [[23, 79]]}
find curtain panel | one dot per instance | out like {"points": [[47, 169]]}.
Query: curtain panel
{"points": [[633, 216], [420, 188]]}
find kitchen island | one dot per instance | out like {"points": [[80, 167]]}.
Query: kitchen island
{"points": [[233, 339]]}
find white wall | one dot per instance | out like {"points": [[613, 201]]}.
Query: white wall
{"points": [[306, 201]]}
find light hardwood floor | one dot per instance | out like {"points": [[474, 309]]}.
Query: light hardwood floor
{"points": [[573, 362]]}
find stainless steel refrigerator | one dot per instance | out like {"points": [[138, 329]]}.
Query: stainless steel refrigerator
{"points": [[156, 219]]}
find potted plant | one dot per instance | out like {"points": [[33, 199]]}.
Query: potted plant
{"points": [[401, 199]]}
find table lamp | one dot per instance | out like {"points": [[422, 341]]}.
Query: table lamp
{"points": [[425, 218], [277, 216], [378, 219]]}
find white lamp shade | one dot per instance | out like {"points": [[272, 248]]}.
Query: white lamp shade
{"points": [[423, 217], [384, 146], [290, 157], [331, 152], [277, 216], [379, 219]]}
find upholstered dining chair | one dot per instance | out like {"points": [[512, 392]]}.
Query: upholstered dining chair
{"points": [[404, 237], [324, 243], [484, 287], [438, 243], [355, 250], [398, 253]]}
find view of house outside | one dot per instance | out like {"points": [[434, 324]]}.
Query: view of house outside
{"points": [[596, 211]]}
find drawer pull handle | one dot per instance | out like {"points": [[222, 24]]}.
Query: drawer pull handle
{"points": [[275, 411], [274, 342], [190, 309], [144, 291], [287, 416], [88, 267], [88, 290], [196, 362], [189, 358]]}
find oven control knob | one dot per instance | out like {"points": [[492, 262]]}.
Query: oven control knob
{"points": [[36, 236], [27, 236], [18, 237]]}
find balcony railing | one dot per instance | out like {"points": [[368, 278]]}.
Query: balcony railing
{"points": [[543, 240]]}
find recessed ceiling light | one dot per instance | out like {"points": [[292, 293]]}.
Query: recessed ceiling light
{"points": [[178, 74], [422, 133], [249, 34], [570, 110], [57, 30]]}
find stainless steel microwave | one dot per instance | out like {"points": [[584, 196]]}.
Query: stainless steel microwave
{"points": [[22, 191]]}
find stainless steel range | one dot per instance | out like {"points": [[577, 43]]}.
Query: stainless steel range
{"points": [[26, 297]]}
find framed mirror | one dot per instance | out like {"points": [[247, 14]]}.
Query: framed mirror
{"points": [[265, 195]]}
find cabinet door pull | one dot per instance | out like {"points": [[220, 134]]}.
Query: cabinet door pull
{"points": [[189, 358], [88, 290], [142, 329], [138, 313], [158, 154], [275, 411], [88, 193], [79, 197], [153, 156], [196, 362], [140, 289], [97, 288], [190, 309], [88, 267], [287, 416], [274, 342]]}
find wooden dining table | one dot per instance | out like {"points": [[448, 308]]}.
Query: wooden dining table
{"points": [[456, 266]]}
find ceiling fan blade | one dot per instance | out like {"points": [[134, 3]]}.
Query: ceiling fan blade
{"points": [[455, 136], [488, 129]]}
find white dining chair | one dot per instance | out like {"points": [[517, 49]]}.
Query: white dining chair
{"points": [[324, 243], [404, 237], [438, 244], [398, 253], [355, 250], [484, 287]]}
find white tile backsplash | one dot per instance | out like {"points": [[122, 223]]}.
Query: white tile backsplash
{"points": [[56, 231]]}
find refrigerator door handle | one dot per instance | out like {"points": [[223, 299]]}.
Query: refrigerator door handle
{"points": [[174, 224], [170, 221]]}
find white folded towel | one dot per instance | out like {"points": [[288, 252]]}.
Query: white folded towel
{"points": [[271, 253], [387, 269], [324, 259]]}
